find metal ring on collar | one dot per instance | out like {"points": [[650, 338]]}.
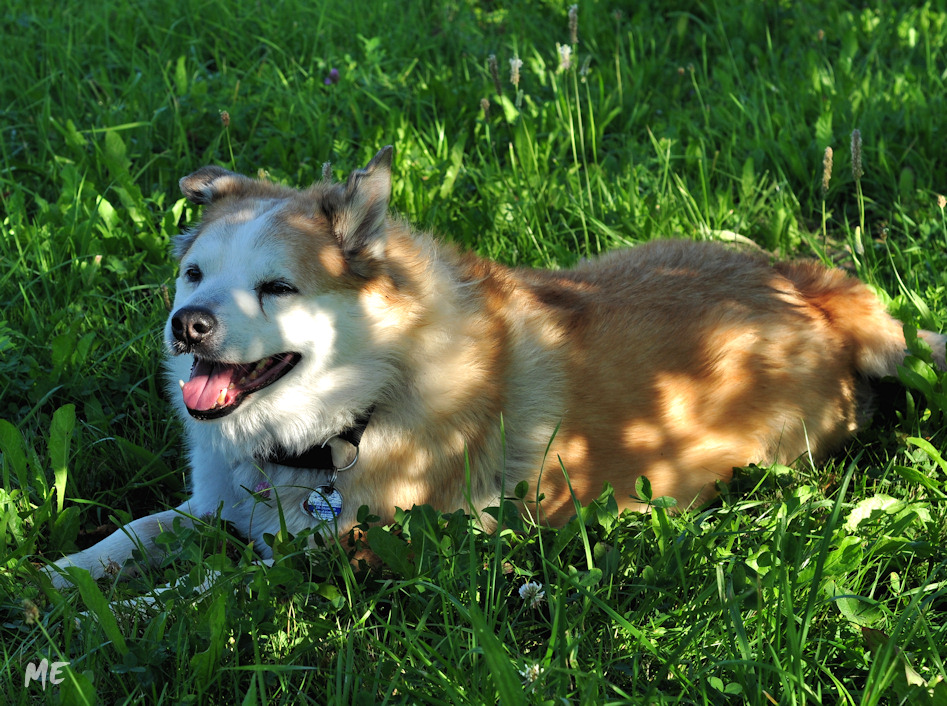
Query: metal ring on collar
{"points": [[354, 461], [344, 468]]}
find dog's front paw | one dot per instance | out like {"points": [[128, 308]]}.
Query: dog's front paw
{"points": [[96, 566]]}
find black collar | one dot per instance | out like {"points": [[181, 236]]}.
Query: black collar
{"points": [[319, 457]]}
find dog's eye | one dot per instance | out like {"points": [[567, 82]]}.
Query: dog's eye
{"points": [[193, 274], [276, 287]]}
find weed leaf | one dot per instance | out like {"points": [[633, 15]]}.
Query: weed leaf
{"points": [[98, 606], [60, 439]]}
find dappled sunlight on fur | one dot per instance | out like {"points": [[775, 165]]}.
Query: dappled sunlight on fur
{"points": [[673, 360]]}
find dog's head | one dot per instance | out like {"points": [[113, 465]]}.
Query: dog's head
{"points": [[270, 334]]}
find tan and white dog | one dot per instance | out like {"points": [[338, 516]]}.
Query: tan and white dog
{"points": [[326, 356]]}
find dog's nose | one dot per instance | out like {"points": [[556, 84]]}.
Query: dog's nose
{"points": [[192, 324]]}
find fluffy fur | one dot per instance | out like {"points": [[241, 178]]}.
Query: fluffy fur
{"points": [[675, 360]]}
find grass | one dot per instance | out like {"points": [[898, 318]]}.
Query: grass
{"points": [[701, 119]]}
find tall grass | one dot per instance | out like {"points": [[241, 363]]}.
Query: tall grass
{"points": [[694, 119]]}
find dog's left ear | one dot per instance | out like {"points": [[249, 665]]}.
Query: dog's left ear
{"points": [[358, 214], [210, 183]]}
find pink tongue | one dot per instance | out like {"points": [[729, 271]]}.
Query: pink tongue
{"points": [[202, 391]]}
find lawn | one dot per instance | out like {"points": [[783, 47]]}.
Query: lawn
{"points": [[707, 120]]}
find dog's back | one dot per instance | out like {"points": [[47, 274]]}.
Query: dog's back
{"points": [[684, 360]]}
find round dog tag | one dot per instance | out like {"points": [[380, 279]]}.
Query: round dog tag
{"points": [[324, 503]]}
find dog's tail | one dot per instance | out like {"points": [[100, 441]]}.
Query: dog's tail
{"points": [[876, 338]]}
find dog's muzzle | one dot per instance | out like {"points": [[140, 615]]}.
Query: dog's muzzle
{"points": [[216, 387]]}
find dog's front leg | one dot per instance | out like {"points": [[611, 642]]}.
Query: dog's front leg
{"points": [[111, 554]]}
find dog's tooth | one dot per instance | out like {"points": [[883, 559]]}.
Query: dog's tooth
{"points": [[222, 397], [181, 383]]}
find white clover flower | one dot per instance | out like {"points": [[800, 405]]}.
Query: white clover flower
{"points": [[532, 673], [531, 592]]}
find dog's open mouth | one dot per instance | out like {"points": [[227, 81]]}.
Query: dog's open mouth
{"points": [[217, 389]]}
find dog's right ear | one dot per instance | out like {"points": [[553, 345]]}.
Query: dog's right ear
{"points": [[210, 183]]}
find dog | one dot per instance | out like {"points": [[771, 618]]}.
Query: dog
{"points": [[323, 355]]}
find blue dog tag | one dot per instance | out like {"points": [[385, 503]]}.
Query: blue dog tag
{"points": [[324, 503]]}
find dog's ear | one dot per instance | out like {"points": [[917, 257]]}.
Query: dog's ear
{"points": [[358, 211], [210, 183]]}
